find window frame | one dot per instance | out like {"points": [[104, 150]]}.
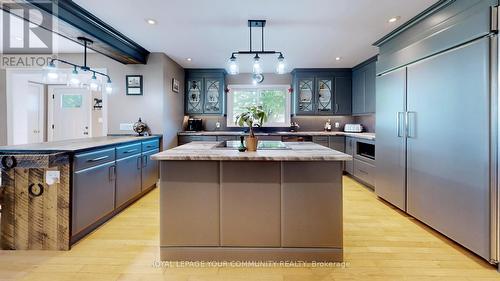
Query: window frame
{"points": [[288, 103]]}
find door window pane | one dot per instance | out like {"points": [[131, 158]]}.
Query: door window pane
{"points": [[71, 101]]}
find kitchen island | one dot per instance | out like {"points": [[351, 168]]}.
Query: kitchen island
{"points": [[55, 193], [282, 203]]}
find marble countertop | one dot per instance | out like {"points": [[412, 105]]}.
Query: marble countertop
{"points": [[73, 145], [204, 150], [368, 136]]}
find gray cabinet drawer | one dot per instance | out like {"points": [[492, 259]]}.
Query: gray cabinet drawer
{"points": [[364, 171], [93, 158], [187, 139], [150, 145], [128, 150], [227, 138]]}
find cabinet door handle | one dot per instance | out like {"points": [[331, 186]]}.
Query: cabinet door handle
{"points": [[145, 161], [336, 108], [97, 159], [112, 173], [139, 163]]}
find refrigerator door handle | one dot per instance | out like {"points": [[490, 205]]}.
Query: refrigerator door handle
{"points": [[410, 124], [398, 123]]}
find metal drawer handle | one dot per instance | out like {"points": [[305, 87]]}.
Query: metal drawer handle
{"points": [[97, 159], [364, 172], [129, 151]]}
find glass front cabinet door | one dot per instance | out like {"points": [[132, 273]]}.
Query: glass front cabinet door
{"points": [[205, 91], [305, 96], [194, 96], [213, 96], [325, 101]]}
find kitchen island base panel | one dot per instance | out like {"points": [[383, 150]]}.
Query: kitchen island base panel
{"points": [[241, 210], [220, 254]]}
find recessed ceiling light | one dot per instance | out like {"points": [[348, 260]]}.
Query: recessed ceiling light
{"points": [[189, 59], [151, 21], [393, 19], [338, 58]]}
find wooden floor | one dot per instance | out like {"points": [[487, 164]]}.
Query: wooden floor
{"points": [[381, 243]]}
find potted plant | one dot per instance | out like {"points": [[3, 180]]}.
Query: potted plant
{"points": [[254, 116]]}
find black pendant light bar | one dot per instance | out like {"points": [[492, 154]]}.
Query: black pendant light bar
{"points": [[257, 69], [94, 85], [83, 67]]}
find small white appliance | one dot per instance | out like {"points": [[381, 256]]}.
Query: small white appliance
{"points": [[353, 128]]}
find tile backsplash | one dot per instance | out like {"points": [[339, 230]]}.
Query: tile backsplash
{"points": [[306, 123]]}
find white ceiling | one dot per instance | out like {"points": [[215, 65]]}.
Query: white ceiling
{"points": [[310, 33]]}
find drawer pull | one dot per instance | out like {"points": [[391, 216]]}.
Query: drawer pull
{"points": [[129, 151], [97, 159]]}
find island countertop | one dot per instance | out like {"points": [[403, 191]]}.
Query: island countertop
{"points": [[298, 151], [74, 145]]}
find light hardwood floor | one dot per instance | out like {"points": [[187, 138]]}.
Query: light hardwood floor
{"points": [[381, 243]]}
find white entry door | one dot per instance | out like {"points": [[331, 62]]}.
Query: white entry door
{"points": [[34, 101], [69, 113]]}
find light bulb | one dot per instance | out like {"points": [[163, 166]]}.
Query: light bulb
{"points": [[109, 86], [52, 71], [74, 80], [280, 68], [94, 84], [234, 68], [257, 67]]}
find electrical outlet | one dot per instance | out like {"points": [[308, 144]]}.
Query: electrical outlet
{"points": [[126, 126], [337, 125]]}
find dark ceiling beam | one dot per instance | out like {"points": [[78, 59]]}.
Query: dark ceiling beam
{"points": [[74, 22]]}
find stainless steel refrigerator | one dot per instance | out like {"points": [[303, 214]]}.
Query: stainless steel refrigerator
{"points": [[437, 149]]}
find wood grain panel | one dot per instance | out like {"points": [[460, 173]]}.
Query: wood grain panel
{"points": [[32, 222]]}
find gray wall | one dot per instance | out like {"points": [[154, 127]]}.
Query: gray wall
{"points": [[269, 79], [161, 109], [173, 103]]}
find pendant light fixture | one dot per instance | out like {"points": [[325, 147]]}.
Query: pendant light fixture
{"points": [[74, 80], [257, 61]]}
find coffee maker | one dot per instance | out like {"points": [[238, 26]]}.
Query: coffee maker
{"points": [[195, 124]]}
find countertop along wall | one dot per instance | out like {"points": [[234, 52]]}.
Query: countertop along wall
{"points": [[158, 106]]}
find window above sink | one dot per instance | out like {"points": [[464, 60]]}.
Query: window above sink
{"points": [[274, 98]]}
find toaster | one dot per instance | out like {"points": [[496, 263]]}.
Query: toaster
{"points": [[353, 128]]}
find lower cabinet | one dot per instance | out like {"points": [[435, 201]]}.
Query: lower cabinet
{"points": [[349, 149], [107, 179], [93, 195], [149, 169], [321, 140], [128, 178], [337, 143]]}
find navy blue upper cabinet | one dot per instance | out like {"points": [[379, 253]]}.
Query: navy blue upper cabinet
{"points": [[322, 91], [205, 91], [363, 87]]}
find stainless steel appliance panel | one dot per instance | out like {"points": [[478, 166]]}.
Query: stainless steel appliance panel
{"points": [[390, 150], [448, 144]]}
